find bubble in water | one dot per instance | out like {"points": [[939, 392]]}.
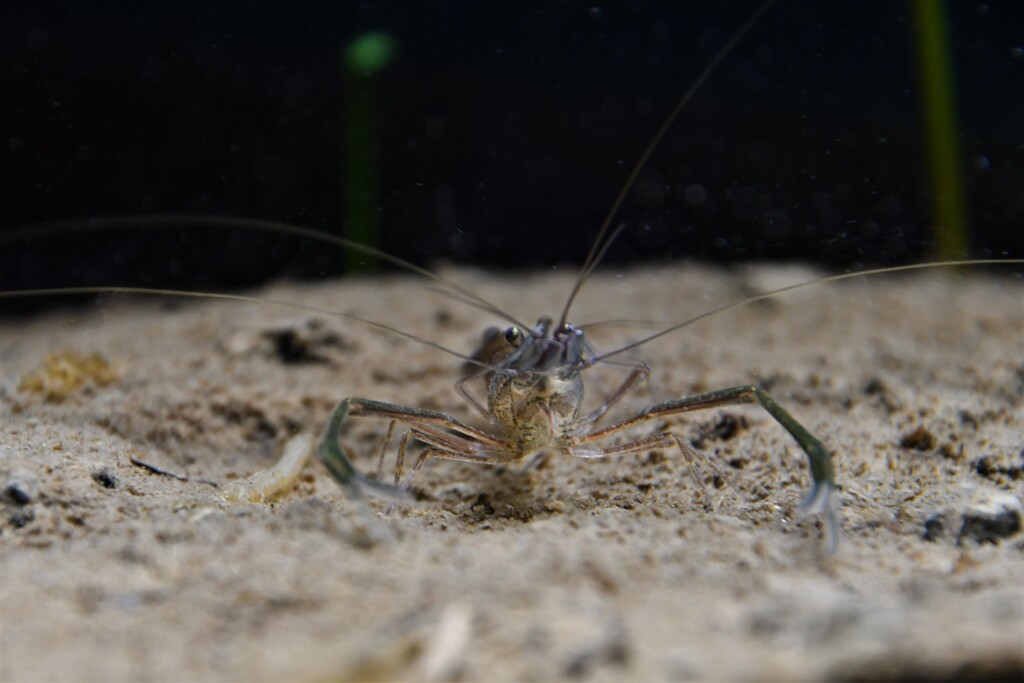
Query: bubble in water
{"points": [[695, 194]]}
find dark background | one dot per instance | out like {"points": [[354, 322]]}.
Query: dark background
{"points": [[505, 131]]}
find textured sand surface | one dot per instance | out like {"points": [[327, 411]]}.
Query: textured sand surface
{"points": [[586, 569]]}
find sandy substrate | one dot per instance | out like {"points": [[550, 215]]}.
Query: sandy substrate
{"points": [[609, 569]]}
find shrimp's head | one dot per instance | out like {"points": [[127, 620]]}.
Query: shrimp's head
{"points": [[536, 390]]}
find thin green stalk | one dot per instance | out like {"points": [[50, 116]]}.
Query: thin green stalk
{"points": [[364, 57], [942, 130]]}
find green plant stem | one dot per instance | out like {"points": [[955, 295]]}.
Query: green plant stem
{"points": [[942, 131]]}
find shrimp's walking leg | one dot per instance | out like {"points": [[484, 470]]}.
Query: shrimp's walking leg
{"points": [[460, 442], [822, 498]]}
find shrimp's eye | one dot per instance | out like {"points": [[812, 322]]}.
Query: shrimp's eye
{"points": [[514, 336], [567, 329]]}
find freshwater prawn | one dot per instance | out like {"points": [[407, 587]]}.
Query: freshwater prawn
{"points": [[534, 376]]}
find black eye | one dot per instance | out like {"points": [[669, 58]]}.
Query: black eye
{"points": [[514, 336], [567, 329]]}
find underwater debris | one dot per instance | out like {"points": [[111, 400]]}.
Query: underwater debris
{"points": [[64, 373]]}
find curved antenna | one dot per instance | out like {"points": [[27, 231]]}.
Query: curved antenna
{"points": [[803, 285], [616, 322], [188, 294], [200, 220], [601, 246], [454, 296]]}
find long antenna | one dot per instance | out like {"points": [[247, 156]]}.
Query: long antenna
{"points": [[188, 294], [202, 220], [600, 246], [802, 285]]}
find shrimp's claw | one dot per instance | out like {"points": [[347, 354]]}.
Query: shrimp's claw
{"points": [[338, 464], [824, 500]]}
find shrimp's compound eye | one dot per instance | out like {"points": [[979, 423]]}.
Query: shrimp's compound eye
{"points": [[567, 329], [514, 336]]}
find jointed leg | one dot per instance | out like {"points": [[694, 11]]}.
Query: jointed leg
{"points": [[466, 443], [821, 498], [597, 413], [462, 442], [384, 449], [665, 440], [416, 467], [460, 386], [400, 458]]}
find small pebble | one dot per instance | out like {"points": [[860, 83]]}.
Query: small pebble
{"points": [[19, 489], [992, 516], [104, 478]]}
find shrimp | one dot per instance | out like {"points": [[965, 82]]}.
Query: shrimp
{"points": [[531, 567], [535, 394], [534, 378]]}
